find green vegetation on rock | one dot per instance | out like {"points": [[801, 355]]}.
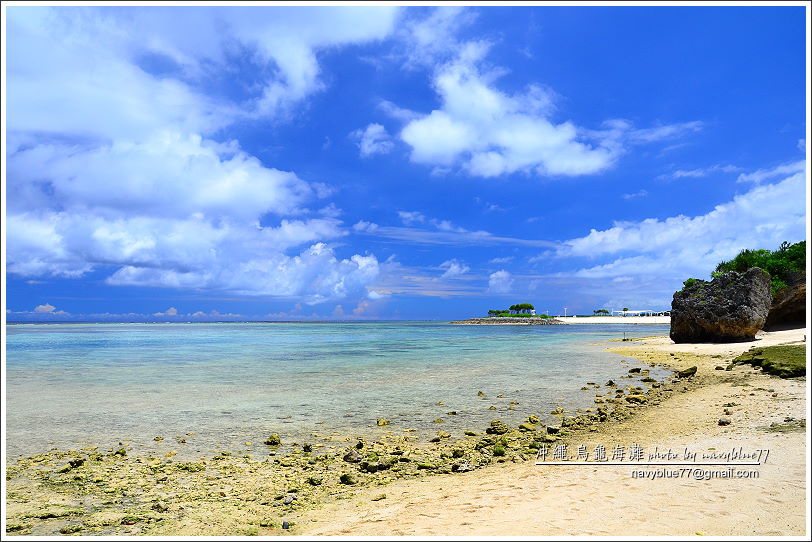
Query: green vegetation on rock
{"points": [[785, 361], [780, 264]]}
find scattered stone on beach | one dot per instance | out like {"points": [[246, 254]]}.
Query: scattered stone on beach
{"points": [[719, 368], [382, 421], [724, 421], [462, 466], [451, 413], [348, 479], [480, 394], [158, 439], [634, 370], [352, 456], [731, 307], [470, 433], [557, 410], [611, 383], [380, 497], [439, 403], [492, 407], [686, 373], [533, 419], [527, 426], [553, 429], [439, 420], [728, 412], [289, 498], [638, 399], [500, 396], [273, 440], [160, 507]]}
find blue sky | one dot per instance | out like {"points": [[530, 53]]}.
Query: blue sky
{"points": [[200, 163]]}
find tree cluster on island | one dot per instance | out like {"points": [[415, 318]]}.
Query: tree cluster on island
{"points": [[520, 310]]}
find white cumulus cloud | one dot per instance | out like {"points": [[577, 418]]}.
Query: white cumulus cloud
{"points": [[500, 282], [374, 139], [491, 133], [654, 256], [114, 167], [453, 268]]}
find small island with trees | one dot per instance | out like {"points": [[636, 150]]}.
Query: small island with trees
{"points": [[517, 314]]}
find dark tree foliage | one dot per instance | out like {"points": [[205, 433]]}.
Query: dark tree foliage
{"points": [[522, 306], [781, 264]]}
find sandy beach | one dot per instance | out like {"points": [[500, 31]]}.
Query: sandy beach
{"points": [[91, 491], [528, 499], [664, 320]]}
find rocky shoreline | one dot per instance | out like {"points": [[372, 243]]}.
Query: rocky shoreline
{"points": [[506, 321], [116, 491], [91, 491]]}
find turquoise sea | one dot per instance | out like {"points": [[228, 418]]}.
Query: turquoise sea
{"points": [[70, 385]]}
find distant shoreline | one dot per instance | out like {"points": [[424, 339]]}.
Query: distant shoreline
{"points": [[665, 320], [508, 321]]}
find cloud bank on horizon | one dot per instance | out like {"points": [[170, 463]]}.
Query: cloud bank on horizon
{"points": [[374, 162]]}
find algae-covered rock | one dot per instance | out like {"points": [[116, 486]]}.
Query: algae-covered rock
{"points": [[382, 421], [685, 373], [273, 440], [785, 361], [498, 427]]}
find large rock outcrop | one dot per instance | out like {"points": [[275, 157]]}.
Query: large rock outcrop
{"points": [[789, 306], [732, 307]]}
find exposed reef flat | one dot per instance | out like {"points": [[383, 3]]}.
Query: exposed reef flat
{"points": [[506, 321]]}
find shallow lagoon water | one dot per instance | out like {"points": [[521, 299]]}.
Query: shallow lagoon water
{"points": [[74, 385]]}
